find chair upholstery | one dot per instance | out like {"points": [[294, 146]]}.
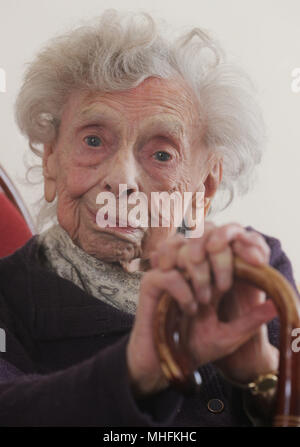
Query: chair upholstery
{"points": [[14, 231], [16, 225]]}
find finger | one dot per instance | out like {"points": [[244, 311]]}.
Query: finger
{"points": [[154, 257], [253, 238], [240, 300], [201, 280], [198, 274], [167, 253], [155, 282], [209, 225], [220, 237], [243, 328], [197, 250], [222, 267], [250, 253], [191, 258]]}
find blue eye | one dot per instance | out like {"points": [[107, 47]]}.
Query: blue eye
{"points": [[93, 141], [162, 156]]}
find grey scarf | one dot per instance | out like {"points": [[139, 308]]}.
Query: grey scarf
{"points": [[105, 281]]}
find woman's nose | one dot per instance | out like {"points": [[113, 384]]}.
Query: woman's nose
{"points": [[122, 170]]}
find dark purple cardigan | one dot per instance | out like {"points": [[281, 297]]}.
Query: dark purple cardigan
{"points": [[65, 359]]}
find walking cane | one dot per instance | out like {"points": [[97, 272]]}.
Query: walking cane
{"points": [[171, 334]]}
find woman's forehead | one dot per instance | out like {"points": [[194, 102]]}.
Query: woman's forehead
{"points": [[153, 96]]}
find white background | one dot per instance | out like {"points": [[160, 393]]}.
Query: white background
{"points": [[262, 35]]}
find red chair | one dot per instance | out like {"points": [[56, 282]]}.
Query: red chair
{"points": [[16, 225]]}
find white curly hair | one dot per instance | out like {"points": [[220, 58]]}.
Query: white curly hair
{"points": [[117, 51]]}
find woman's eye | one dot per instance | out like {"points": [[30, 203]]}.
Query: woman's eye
{"points": [[93, 141], [162, 156]]}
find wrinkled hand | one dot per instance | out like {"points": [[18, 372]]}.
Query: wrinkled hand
{"points": [[230, 327]]}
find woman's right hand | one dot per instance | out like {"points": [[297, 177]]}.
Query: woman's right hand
{"points": [[210, 338]]}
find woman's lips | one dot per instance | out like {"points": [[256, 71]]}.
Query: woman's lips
{"points": [[123, 229]]}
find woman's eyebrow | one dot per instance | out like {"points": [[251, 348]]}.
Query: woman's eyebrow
{"points": [[98, 120], [158, 124], [95, 115], [171, 127]]}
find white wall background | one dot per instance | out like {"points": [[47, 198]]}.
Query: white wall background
{"points": [[262, 35]]}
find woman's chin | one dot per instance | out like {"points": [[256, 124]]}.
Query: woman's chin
{"points": [[109, 248]]}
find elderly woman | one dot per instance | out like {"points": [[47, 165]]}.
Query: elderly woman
{"points": [[116, 102]]}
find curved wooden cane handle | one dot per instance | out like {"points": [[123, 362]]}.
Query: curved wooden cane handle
{"points": [[172, 327]]}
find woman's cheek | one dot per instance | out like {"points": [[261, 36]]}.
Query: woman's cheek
{"points": [[170, 182], [89, 158], [162, 175], [80, 180]]}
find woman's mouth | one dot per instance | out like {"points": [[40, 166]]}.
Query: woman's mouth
{"points": [[112, 224]]}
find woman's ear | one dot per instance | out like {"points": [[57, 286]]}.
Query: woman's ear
{"points": [[49, 172], [212, 181]]}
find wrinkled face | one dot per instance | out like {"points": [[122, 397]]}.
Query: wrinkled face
{"points": [[148, 138]]}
